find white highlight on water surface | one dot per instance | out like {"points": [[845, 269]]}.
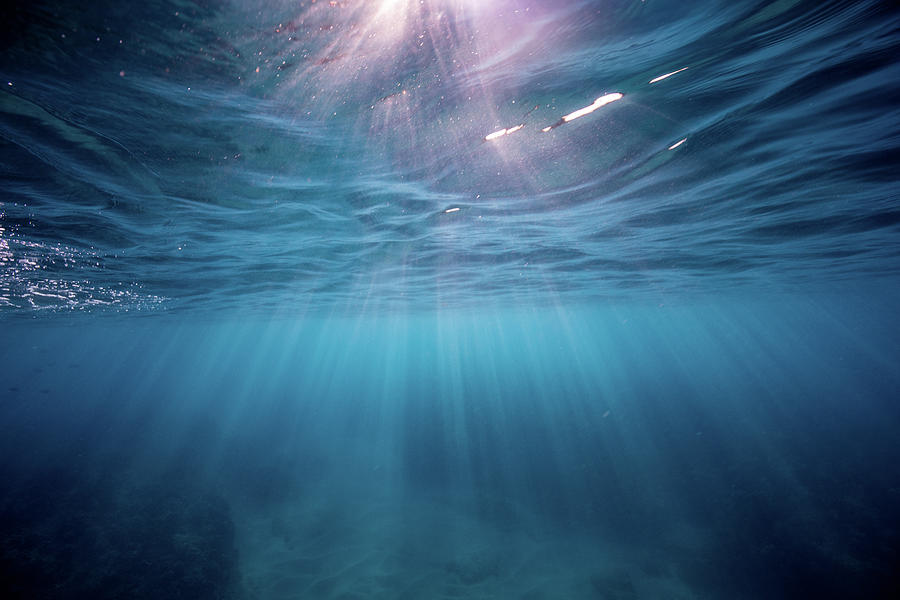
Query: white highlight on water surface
{"points": [[451, 210], [601, 101], [667, 75], [502, 132], [678, 143]]}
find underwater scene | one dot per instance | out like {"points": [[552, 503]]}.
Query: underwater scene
{"points": [[450, 299]]}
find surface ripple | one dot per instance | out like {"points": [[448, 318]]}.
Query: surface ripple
{"points": [[371, 156]]}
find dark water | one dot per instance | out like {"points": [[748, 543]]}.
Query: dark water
{"points": [[450, 299]]}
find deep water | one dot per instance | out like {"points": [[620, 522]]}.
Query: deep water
{"points": [[449, 299]]}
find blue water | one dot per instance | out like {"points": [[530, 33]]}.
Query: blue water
{"points": [[450, 299]]}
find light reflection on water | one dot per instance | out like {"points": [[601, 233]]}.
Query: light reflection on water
{"points": [[667, 75], [41, 276]]}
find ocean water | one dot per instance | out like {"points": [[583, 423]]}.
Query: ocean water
{"points": [[448, 299]]}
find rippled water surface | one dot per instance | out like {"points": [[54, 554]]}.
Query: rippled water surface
{"points": [[370, 155]]}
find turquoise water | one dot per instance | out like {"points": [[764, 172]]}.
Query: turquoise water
{"points": [[449, 299]]}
